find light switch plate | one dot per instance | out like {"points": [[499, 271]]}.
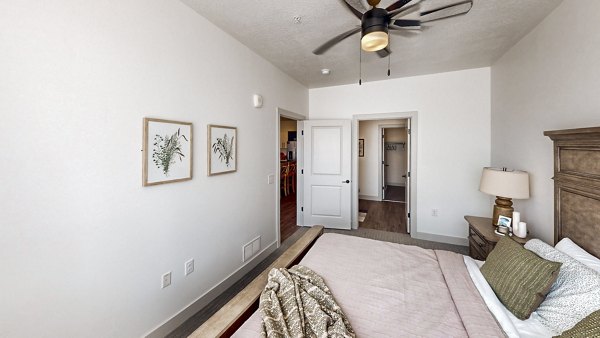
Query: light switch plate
{"points": [[271, 179]]}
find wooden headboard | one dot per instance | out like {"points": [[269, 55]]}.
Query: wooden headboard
{"points": [[577, 186]]}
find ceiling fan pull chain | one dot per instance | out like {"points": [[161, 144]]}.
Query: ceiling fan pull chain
{"points": [[389, 58], [360, 66]]}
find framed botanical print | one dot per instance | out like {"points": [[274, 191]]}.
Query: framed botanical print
{"points": [[222, 149], [361, 147], [167, 151]]}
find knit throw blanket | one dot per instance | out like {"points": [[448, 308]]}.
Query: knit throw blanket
{"points": [[297, 303]]}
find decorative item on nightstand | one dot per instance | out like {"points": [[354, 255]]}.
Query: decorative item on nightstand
{"points": [[505, 185]]}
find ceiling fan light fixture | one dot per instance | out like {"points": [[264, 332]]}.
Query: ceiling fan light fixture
{"points": [[374, 41]]}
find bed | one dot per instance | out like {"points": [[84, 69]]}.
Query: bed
{"points": [[389, 289]]}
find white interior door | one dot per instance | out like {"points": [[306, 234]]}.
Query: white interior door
{"points": [[327, 173], [408, 179]]}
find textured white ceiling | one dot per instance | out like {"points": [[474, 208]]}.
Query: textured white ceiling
{"points": [[470, 41]]}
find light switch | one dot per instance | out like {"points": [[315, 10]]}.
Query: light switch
{"points": [[271, 179]]}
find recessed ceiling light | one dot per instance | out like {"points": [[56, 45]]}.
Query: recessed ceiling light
{"points": [[325, 71]]}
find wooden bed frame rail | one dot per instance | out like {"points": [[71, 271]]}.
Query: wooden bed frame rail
{"points": [[230, 317]]}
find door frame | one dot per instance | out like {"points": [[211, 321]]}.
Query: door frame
{"points": [[381, 154], [413, 116], [280, 112]]}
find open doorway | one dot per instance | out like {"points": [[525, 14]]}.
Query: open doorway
{"points": [[394, 170], [383, 174], [288, 182]]}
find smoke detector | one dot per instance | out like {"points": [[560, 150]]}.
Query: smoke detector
{"points": [[325, 71], [297, 19]]}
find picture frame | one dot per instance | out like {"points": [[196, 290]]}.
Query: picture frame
{"points": [[222, 149], [504, 221], [361, 147], [167, 149]]}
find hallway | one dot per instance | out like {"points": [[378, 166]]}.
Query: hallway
{"points": [[385, 216]]}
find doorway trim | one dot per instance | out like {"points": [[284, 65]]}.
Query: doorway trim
{"points": [[413, 116], [280, 112]]}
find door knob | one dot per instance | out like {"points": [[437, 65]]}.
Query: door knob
{"points": [[346, 181]]}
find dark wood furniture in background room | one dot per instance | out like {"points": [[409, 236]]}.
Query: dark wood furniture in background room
{"points": [[482, 238], [287, 177]]}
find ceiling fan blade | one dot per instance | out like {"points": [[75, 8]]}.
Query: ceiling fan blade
{"points": [[354, 11], [410, 31], [406, 23], [397, 5], [405, 10], [383, 53], [445, 12], [327, 45]]}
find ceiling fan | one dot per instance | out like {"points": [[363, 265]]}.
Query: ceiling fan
{"points": [[377, 22]]}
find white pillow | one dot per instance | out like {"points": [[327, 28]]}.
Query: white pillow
{"points": [[574, 295], [570, 248]]}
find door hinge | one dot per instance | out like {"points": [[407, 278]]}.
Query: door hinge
{"points": [[302, 209], [303, 132], [302, 171], [409, 131], [408, 175], [409, 215]]}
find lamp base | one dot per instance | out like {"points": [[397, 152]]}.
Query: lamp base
{"points": [[503, 207]]}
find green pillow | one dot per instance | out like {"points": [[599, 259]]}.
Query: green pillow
{"points": [[588, 327], [520, 278]]}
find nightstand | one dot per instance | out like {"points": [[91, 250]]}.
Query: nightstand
{"points": [[482, 238]]}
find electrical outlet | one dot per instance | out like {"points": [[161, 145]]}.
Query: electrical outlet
{"points": [[435, 212], [166, 280], [189, 267]]}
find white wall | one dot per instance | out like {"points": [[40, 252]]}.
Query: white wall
{"points": [[368, 165], [82, 243], [453, 138], [547, 81]]}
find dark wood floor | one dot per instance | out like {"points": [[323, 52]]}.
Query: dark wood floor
{"points": [[386, 216], [287, 218], [395, 193]]}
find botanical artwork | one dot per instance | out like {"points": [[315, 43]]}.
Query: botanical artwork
{"points": [[361, 147], [222, 157], [167, 151], [224, 147]]}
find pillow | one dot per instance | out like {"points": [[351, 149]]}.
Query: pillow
{"points": [[570, 248], [519, 277], [588, 327], [574, 296]]}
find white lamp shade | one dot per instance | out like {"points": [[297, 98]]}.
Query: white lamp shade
{"points": [[505, 183]]}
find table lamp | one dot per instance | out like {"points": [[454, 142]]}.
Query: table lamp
{"points": [[505, 185]]}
